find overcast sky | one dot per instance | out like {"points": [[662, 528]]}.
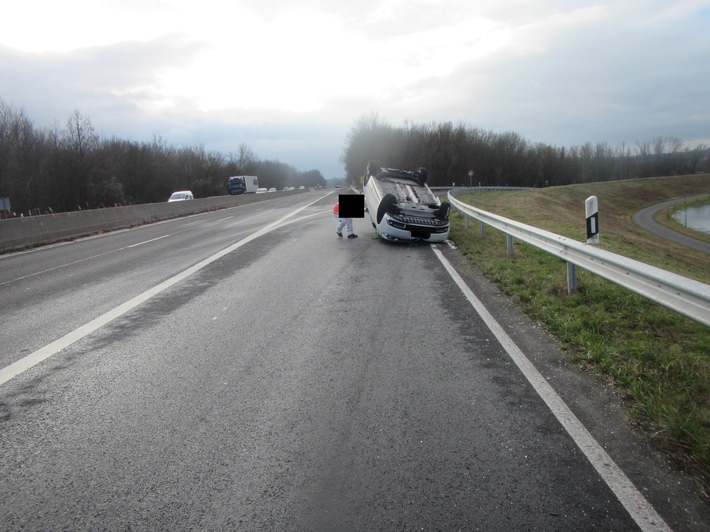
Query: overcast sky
{"points": [[289, 78]]}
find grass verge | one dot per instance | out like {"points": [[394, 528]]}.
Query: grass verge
{"points": [[658, 360]]}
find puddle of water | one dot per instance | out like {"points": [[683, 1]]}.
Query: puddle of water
{"points": [[695, 218]]}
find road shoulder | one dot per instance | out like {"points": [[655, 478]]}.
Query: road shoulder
{"points": [[596, 404]]}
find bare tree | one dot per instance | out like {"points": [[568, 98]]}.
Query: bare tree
{"points": [[79, 163]]}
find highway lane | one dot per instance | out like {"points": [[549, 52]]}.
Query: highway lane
{"points": [[61, 287], [300, 382]]}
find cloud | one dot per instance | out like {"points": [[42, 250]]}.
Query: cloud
{"points": [[598, 74], [289, 78], [97, 77]]}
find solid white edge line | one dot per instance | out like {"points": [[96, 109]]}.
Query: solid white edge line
{"points": [[31, 360], [633, 501]]}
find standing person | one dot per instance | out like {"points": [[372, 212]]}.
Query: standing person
{"points": [[342, 222]]}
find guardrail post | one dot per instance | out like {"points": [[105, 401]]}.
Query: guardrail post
{"points": [[510, 245], [468, 220], [482, 229], [571, 278]]}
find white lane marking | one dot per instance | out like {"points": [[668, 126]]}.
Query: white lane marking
{"points": [[146, 241], [180, 230], [319, 213], [638, 507], [47, 351], [60, 266], [80, 260], [213, 222]]}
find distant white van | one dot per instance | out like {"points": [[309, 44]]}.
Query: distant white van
{"points": [[181, 195]]}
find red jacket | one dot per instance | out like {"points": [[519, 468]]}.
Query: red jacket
{"points": [[336, 209]]}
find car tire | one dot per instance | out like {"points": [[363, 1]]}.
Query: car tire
{"points": [[387, 200], [442, 213], [372, 169], [421, 175]]}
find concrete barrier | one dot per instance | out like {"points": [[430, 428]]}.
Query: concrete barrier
{"points": [[29, 231]]}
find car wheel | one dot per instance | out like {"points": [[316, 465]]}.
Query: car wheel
{"points": [[388, 200], [442, 213], [372, 169], [421, 174]]}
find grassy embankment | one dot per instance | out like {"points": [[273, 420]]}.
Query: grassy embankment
{"points": [[658, 360]]}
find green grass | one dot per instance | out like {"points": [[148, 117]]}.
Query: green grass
{"points": [[658, 360]]}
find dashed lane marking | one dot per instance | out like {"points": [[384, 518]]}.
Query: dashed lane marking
{"points": [[31, 360]]}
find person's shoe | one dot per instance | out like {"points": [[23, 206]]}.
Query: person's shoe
{"points": [[352, 236], [339, 234]]}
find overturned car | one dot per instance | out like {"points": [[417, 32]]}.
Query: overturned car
{"points": [[401, 206]]}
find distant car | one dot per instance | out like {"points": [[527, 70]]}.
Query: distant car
{"points": [[261, 191], [401, 206], [301, 188], [182, 195], [272, 189]]}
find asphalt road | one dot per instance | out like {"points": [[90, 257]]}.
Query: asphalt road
{"points": [[241, 370]]}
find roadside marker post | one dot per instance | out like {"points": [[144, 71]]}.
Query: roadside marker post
{"points": [[591, 208]]}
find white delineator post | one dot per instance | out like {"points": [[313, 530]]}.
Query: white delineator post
{"points": [[591, 207]]}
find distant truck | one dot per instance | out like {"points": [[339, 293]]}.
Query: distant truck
{"points": [[242, 184]]}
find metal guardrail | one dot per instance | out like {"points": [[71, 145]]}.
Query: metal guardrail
{"points": [[686, 296], [459, 189]]}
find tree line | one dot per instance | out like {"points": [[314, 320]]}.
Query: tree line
{"points": [[449, 152], [57, 170], [60, 170]]}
